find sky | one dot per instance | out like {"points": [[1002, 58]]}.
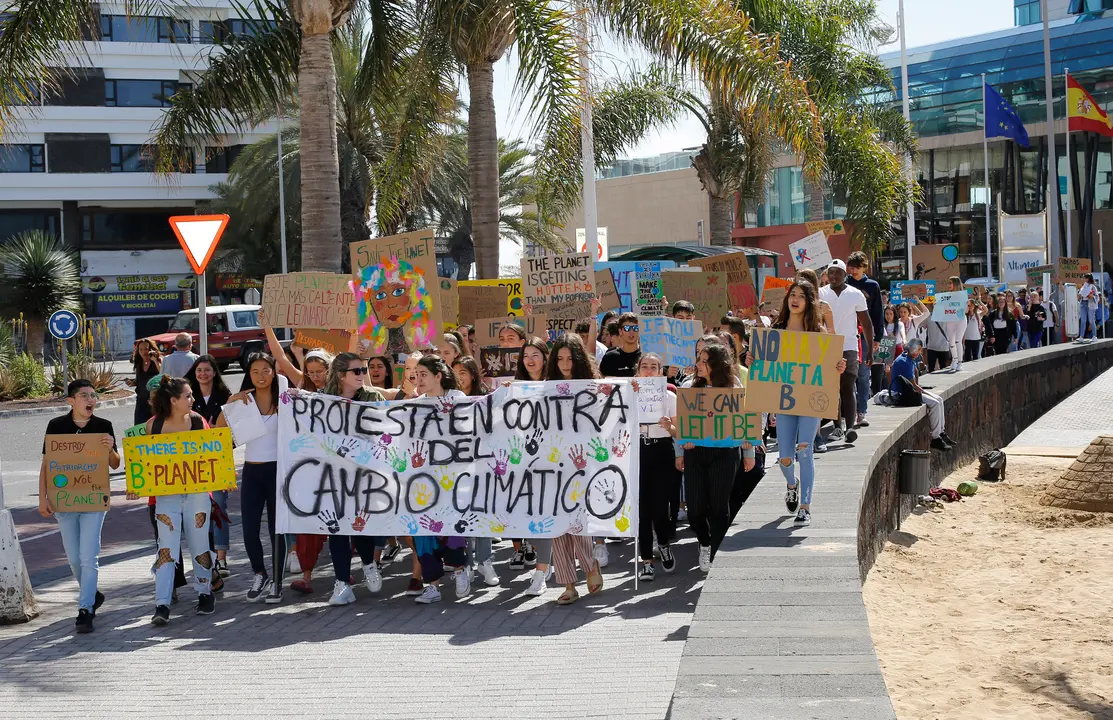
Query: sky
{"points": [[929, 21]]}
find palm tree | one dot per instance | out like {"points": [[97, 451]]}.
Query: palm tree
{"points": [[40, 275]]}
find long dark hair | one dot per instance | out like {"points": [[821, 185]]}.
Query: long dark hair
{"points": [[136, 358], [719, 365], [521, 373], [220, 390], [469, 364], [389, 383], [436, 366], [582, 367], [813, 319], [168, 389], [247, 386]]}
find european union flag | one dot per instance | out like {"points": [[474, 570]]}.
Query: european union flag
{"points": [[1001, 120]]}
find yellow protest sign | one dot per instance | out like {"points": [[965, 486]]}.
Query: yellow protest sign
{"points": [[180, 463], [794, 373]]}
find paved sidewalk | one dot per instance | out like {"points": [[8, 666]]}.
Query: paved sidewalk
{"points": [[1068, 428]]}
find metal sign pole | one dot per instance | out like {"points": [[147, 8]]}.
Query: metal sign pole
{"points": [[202, 316]]}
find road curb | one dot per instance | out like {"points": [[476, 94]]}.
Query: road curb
{"points": [[54, 409]]}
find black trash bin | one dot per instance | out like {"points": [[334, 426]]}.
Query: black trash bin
{"points": [[915, 472]]}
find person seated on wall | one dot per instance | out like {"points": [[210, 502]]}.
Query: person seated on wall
{"points": [[905, 391]]}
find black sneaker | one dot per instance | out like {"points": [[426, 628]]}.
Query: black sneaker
{"points": [[206, 604], [792, 498], [518, 560], [947, 439], [161, 616], [803, 517], [668, 562], [259, 588], [222, 568], [84, 621], [851, 436], [647, 573], [390, 553], [940, 444], [98, 600], [836, 434], [530, 554]]}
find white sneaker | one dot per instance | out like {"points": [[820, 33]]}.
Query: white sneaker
{"points": [[293, 565], [537, 585], [601, 555], [428, 596], [463, 582], [342, 594], [373, 577], [490, 577], [705, 558]]}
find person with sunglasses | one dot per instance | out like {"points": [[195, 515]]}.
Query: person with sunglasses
{"points": [[622, 359]]}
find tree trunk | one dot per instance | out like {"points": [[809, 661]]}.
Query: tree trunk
{"points": [[36, 337], [353, 216], [321, 244], [720, 220], [483, 168]]}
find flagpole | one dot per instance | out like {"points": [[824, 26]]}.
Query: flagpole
{"points": [[1070, 174], [1052, 162], [985, 150], [910, 222]]}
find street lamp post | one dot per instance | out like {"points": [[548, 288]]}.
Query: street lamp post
{"points": [[910, 222]]}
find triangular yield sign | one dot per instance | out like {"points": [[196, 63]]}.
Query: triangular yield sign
{"points": [[198, 235]]}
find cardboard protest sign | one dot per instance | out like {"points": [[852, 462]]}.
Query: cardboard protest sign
{"points": [[397, 293], [77, 473], [1035, 274], [513, 290], [557, 281], [716, 417], [886, 350], [706, 290], [811, 252], [671, 338], [499, 361], [773, 294], [488, 330], [530, 460], [450, 303], [741, 291], [626, 274], [309, 300], [831, 227], [794, 373], [478, 301], [648, 291], [606, 290], [331, 341], [906, 290], [1072, 270], [935, 262], [950, 307], [179, 463], [652, 394]]}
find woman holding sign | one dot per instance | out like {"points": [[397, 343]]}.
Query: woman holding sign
{"points": [[172, 403], [531, 366], [800, 311], [209, 395], [658, 480]]}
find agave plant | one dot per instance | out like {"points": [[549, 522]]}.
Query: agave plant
{"points": [[39, 275]]}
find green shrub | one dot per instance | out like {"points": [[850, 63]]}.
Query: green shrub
{"points": [[84, 367], [7, 343], [29, 376]]}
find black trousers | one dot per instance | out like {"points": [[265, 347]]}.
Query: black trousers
{"points": [[938, 360], [970, 350], [257, 492], [708, 480], [848, 389], [745, 481], [658, 480], [340, 548]]}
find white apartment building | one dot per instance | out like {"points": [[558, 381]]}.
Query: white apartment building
{"points": [[75, 165]]}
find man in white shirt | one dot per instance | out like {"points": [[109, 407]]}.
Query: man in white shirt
{"points": [[848, 305]]}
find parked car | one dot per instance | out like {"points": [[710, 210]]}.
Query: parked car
{"points": [[234, 333]]}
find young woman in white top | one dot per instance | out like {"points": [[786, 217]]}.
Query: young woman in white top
{"points": [[893, 327], [972, 337], [258, 484], [658, 478]]}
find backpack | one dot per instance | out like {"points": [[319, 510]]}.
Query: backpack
{"points": [[991, 466]]}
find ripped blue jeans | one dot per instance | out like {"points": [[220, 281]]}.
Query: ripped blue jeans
{"points": [[794, 431]]}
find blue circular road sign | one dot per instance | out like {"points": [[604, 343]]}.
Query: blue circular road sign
{"points": [[63, 324]]}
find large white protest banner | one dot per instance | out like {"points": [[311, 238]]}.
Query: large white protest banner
{"points": [[533, 459]]}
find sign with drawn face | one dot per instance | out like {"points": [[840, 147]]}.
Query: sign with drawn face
{"points": [[397, 293], [794, 373], [180, 463], [77, 473], [534, 459]]}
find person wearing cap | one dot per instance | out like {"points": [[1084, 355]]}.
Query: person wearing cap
{"points": [[905, 390], [850, 311]]}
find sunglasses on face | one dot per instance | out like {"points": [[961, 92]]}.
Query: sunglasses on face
{"points": [[630, 328], [357, 371]]}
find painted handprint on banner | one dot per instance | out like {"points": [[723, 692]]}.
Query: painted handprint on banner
{"points": [[301, 442], [576, 523], [606, 389], [364, 455], [537, 527], [499, 467], [431, 524], [380, 448], [620, 444], [445, 404], [346, 447], [285, 397], [534, 442], [411, 524], [330, 521], [576, 455], [496, 525], [606, 494], [360, 520], [577, 492], [564, 389], [598, 450], [423, 494], [445, 480], [515, 450], [554, 451], [416, 453], [397, 459], [466, 522], [622, 523]]}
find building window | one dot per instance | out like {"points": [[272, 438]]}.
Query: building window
{"points": [[121, 28], [220, 159], [140, 93], [132, 158], [214, 31], [129, 228], [22, 159], [1026, 12], [14, 222]]}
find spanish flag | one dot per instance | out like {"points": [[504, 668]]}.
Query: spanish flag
{"points": [[1083, 114]]}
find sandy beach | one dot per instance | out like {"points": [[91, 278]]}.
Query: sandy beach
{"points": [[997, 607]]}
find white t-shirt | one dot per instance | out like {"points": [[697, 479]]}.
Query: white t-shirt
{"points": [[845, 308], [1087, 292], [1049, 322], [600, 351], [973, 327]]}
